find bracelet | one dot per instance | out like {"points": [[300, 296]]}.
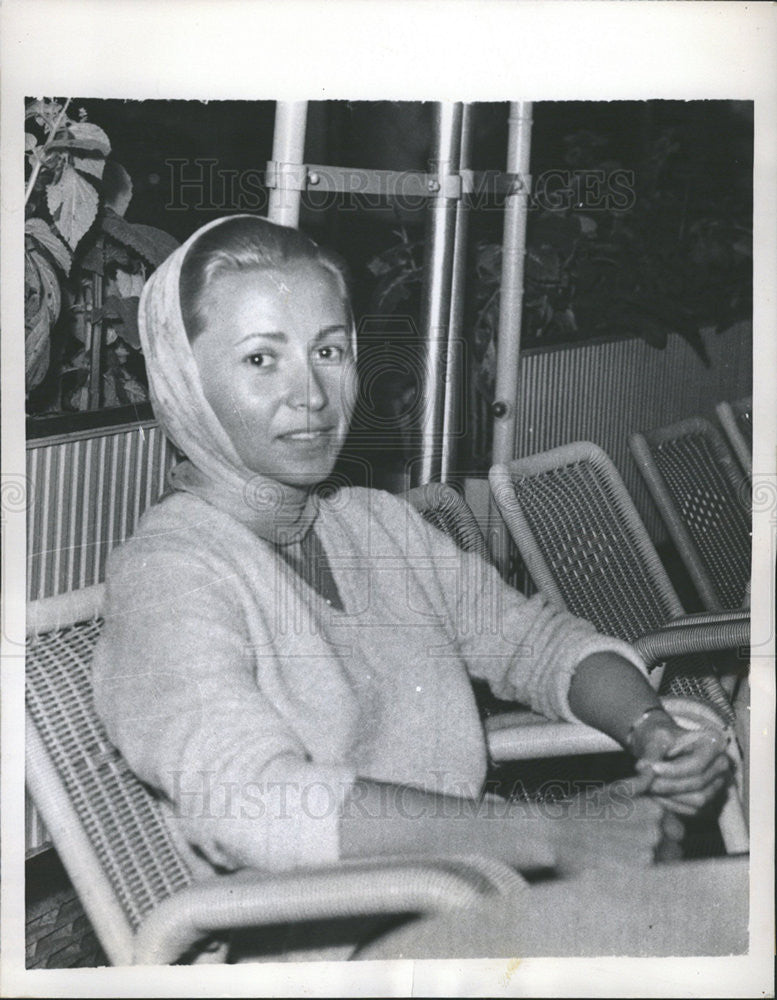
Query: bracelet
{"points": [[638, 722]]}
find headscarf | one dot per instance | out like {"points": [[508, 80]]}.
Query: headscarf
{"points": [[212, 469]]}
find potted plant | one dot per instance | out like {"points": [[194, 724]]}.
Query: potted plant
{"points": [[84, 265]]}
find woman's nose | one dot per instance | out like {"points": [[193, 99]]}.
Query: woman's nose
{"points": [[307, 389]]}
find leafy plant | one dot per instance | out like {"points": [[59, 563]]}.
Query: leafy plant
{"points": [[677, 259], [85, 265]]}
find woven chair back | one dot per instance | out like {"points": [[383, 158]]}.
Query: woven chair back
{"points": [[583, 541], [704, 500], [73, 766], [587, 549], [442, 506], [736, 419]]}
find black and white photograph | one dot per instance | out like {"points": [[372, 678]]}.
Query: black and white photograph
{"points": [[388, 517]]}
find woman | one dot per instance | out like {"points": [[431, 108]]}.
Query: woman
{"points": [[290, 671]]}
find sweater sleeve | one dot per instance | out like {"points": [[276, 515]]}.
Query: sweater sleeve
{"points": [[176, 687], [525, 648]]}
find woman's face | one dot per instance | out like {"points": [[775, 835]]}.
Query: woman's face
{"points": [[276, 366]]}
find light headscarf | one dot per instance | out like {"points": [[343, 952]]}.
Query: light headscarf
{"points": [[212, 469]]}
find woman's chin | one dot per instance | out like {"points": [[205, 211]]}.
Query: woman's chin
{"points": [[304, 480], [304, 477]]}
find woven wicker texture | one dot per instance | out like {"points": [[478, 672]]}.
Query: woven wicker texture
{"points": [[586, 554], [697, 486], [743, 414], [736, 419], [442, 506], [126, 848], [120, 818], [576, 526]]}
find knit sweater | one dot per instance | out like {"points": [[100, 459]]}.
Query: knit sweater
{"points": [[250, 705]]}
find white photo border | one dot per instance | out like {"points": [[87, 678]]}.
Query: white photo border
{"points": [[405, 50]]}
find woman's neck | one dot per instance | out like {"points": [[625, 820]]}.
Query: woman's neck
{"points": [[275, 511]]}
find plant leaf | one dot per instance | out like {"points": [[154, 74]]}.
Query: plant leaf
{"points": [[33, 288], [489, 262], [37, 325], [110, 394], [42, 289], [47, 238], [132, 390], [117, 187], [153, 245], [79, 399], [36, 350], [115, 253], [83, 135], [72, 202], [30, 142], [79, 361], [128, 284], [94, 165], [35, 107], [52, 294], [124, 311], [92, 260]]}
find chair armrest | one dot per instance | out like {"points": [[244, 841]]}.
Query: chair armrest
{"points": [[703, 633], [360, 888], [709, 617], [525, 735]]}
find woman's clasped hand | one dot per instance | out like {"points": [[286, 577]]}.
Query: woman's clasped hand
{"points": [[687, 769]]}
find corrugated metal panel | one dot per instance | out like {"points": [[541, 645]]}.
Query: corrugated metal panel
{"points": [[88, 493], [603, 392]]}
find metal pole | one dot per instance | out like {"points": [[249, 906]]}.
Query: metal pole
{"points": [[455, 407], [511, 288], [436, 305], [510, 303], [288, 148]]}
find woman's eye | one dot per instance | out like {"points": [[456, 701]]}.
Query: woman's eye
{"points": [[260, 359], [331, 353]]}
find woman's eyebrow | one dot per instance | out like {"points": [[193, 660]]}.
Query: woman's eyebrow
{"points": [[327, 330], [263, 334], [280, 336]]}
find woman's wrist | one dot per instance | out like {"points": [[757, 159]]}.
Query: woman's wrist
{"points": [[609, 693], [644, 726]]}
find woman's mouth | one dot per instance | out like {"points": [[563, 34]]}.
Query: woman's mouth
{"points": [[308, 436]]}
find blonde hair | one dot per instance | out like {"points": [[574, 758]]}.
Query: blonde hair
{"points": [[241, 244]]}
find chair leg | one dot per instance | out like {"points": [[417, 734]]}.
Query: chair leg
{"points": [[733, 827], [741, 727], [733, 816]]}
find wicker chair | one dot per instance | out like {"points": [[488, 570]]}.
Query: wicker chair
{"points": [[736, 419], [524, 736], [703, 498], [442, 506], [138, 893], [587, 549]]}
